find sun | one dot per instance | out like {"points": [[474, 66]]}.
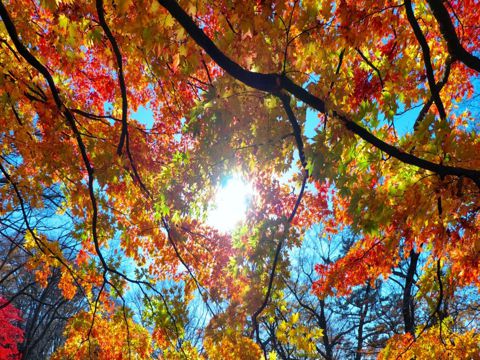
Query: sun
{"points": [[230, 204]]}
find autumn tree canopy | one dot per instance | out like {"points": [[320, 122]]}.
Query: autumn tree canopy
{"points": [[355, 122]]}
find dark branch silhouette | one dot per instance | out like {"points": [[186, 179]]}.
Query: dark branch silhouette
{"points": [[121, 76], [426, 58], [455, 48]]}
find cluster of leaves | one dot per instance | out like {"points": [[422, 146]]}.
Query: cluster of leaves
{"points": [[96, 337], [11, 334], [351, 117]]}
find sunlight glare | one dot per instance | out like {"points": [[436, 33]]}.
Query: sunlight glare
{"points": [[230, 206]]}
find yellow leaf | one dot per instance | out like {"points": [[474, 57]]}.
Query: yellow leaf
{"points": [[154, 7], [295, 317], [182, 50], [29, 240], [169, 21], [123, 5], [62, 21]]}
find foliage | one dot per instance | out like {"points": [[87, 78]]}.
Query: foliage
{"points": [[104, 337], [11, 334], [352, 120], [437, 342]]}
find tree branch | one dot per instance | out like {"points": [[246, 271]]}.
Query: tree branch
{"points": [[121, 76], [455, 48], [297, 130], [276, 258], [408, 310], [369, 63], [439, 86], [426, 58]]}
